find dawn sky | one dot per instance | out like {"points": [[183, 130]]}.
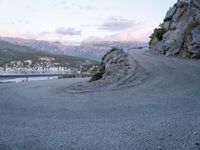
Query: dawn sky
{"points": [[78, 20]]}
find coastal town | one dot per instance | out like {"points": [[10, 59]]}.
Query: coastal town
{"points": [[45, 66]]}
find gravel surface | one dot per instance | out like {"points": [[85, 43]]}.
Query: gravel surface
{"points": [[161, 112]]}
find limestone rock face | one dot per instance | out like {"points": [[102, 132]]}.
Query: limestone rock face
{"points": [[116, 65], [182, 31]]}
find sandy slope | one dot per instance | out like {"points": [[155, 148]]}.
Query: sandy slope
{"points": [[161, 112]]}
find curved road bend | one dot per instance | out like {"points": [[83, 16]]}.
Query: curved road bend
{"points": [[163, 112]]}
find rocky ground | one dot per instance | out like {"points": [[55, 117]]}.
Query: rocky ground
{"points": [[159, 112], [179, 35]]}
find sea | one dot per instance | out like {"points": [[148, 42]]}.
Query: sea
{"points": [[19, 80]]}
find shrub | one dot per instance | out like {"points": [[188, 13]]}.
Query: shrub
{"points": [[154, 41], [193, 25], [157, 35], [97, 73], [96, 76]]}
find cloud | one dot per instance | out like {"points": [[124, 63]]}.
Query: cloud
{"points": [[19, 22], [86, 7], [73, 6], [22, 22], [16, 32], [45, 35], [48, 36], [141, 35], [68, 31], [115, 24], [63, 2]]}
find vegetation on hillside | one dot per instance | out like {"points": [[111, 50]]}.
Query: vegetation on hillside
{"points": [[97, 73], [40, 59], [193, 25], [157, 35]]}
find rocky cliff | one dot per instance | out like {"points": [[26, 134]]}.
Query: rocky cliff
{"points": [[179, 34]]}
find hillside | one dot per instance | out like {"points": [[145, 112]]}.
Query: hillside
{"points": [[179, 34], [21, 56], [91, 50], [45, 46]]}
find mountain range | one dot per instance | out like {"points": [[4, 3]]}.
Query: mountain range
{"points": [[91, 50], [16, 56]]}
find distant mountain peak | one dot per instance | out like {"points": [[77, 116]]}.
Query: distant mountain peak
{"points": [[91, 50]]}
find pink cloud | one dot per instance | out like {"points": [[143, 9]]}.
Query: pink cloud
{"points": [[140, 34], [21, 33], [134, 34], [14, 32]]}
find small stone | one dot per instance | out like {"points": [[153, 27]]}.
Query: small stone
{"points": [[197, 144], [162, 139], [160, 148]]}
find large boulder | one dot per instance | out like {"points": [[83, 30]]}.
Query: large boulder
{"points": [[114, 66], [181, 26]]}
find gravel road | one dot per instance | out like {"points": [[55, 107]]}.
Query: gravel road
{"points": [[162, 112]]}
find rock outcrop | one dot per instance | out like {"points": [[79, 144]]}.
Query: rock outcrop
{"points": [[118, 70], [114, 66], [179, 35]]}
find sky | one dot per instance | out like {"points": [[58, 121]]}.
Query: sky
{"points": [[73, 21]]}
